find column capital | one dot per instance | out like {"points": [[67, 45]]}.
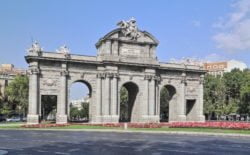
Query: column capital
{"points": [[157, 78], [34, 71], [64, 73], [116, 75], [109, 75], [100, 75], [148, 77], [183, 78], [202, 79]]}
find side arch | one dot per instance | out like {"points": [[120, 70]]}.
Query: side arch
{"points": [[84, 109], [84, 82], [168, 103], [127, 103]]}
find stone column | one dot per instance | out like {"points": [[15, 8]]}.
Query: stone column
{"points": [[107, 96], [182, 100], [114, 95], [146, 106], [157, 97], [99, 95], [201, 116], [33, 117], [152, 97], [62, 104]]}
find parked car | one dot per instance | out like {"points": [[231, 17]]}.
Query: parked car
{"points": [[13, 119], [24, 119], [2, 118]]}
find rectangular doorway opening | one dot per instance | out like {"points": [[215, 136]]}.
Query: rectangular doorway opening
{"points": [[190, 112], [48, 107]]}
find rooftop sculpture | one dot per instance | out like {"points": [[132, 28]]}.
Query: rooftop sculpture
{"points": [[35, 47], [129, 28]]}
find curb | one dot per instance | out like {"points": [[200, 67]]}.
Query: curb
{"points": [[141, 131]]}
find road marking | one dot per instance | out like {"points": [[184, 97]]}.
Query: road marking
{"points": [[73, 150], [61, 153]]}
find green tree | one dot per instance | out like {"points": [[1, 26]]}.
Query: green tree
{"points": [[244, 106], [74, 113], [124, 113], [164, 104], [214, 96], [49, 103], [17, 94], [84, 112], [227, 94]]}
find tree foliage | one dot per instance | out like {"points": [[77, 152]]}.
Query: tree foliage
{"points": [[164, 104], [228, 94], [82, 113], [49, 103], [17, 94], [124, 112]]}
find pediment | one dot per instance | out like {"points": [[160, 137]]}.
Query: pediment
{"points": [[117, 34]]}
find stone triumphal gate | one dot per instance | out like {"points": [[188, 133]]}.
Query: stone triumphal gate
{"points": [[125, 57]]}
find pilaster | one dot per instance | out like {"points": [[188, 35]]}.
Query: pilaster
{"points": [[201, 116], [61, 116], [182, 100], [33, 117]]}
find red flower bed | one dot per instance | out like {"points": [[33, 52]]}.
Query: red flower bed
{"points": [[129, 125], [43, 125], [222, 125]]}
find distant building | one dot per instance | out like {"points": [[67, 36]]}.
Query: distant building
{"points": [[219, 68], [213, 68], [7, 74], [78, 103]]}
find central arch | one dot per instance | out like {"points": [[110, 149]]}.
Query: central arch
{"points": [[128, 94], [167, 103], [79, 105]]}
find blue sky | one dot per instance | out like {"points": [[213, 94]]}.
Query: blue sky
{"points": [[207, 29]]}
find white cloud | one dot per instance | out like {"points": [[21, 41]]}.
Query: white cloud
{"points": [[196, 23], [213, 57], [235, 29]]}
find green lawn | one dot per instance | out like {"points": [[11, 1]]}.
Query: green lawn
{"points": [[14, 125]]}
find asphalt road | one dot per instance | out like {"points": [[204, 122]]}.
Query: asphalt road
{"points": [[74, 142]]}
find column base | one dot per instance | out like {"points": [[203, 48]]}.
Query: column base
{"points": [[149, 119], [106, 119], [61, 119], [32, 119], [181, 118], [201, 118]]}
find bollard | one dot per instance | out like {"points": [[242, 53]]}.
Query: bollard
{"points": [[125, 126]]}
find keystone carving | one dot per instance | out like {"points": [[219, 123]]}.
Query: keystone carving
{"points": [[50, 83]]}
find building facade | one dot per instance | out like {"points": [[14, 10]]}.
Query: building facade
{"points": [[219, 68], [7, 74], [126, 57], [78, 103]]}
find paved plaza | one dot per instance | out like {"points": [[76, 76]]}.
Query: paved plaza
{"points": [[79, 142]]}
